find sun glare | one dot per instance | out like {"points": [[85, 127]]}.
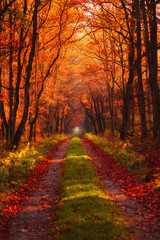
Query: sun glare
{"points": [[76, 130]]}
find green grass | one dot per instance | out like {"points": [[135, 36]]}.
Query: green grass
{"points": [[123, 152], [85, 210], [16, 165]]}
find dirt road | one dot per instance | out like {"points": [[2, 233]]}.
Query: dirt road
{"points": [[32, 223], [146, 224]]}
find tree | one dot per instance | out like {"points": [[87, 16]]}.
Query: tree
{"points": [[12, 136], [140, 92], [150, 37], [58, 41], [26, 45]]}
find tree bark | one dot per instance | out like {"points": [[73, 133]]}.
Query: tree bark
{"points": [[90, 115], [128, 93], [21, 126], [10, 121], [19, 70], [140, 92], [2, 112], [150, 33]]}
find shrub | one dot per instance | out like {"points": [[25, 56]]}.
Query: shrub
{"points": [[16, 167], [122, 151]]}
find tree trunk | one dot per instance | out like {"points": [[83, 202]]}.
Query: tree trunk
{"points": [[57, 123], [132, 114], [34, 133], [19, 70], [31, 131], [150, 33], [90, 115], [10, 121], [140, 92], [93, 123], [98, 115], [2, 112], [111, 108], [61, 131], [33, 121], [128, 96], [128, 93], [21, 126]]}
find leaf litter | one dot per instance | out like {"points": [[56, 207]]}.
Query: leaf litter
{"points": [[28, 213], [137, 200]]}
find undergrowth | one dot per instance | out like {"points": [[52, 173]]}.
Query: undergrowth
{"points": [[125, 154], [85, 211], [16, 165]]}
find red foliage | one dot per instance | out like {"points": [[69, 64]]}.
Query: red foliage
{"points": [[16, 200], [134, 188]]}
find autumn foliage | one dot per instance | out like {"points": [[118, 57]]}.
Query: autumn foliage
{"points": [[89, 63]]}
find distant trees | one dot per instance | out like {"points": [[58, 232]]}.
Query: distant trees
{"points": [[17, 67], [115, 84], [34, 35], [94, 107], [130, 46]]}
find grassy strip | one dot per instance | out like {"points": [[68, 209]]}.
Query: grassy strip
{"points": [[85, 210], [15, 168]]}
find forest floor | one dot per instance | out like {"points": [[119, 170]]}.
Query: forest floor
{"points": [[137, 202], [33, 218]]}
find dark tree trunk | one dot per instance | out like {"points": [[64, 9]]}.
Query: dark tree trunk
{"points": [[140, 92], [57, 124], [10, 121], [2, 112], [111, 107], [19, 70], [132, 114], [98, 114], [33, 121], [31, 131], [86, 123], [3, 131], [89, 113], [34, 133], [150, 33], [128, 96], [128, 93], [67, 121], [61, 131], [93, 123], [21, 126]]}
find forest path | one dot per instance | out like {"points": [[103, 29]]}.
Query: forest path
{"points": [[32, 222], [146, 224]]}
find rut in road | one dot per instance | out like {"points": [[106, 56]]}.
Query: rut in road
{"points": [[142, 226], [33, 221]]}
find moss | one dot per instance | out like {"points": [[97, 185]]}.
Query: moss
{"points": [[86, 211]]}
